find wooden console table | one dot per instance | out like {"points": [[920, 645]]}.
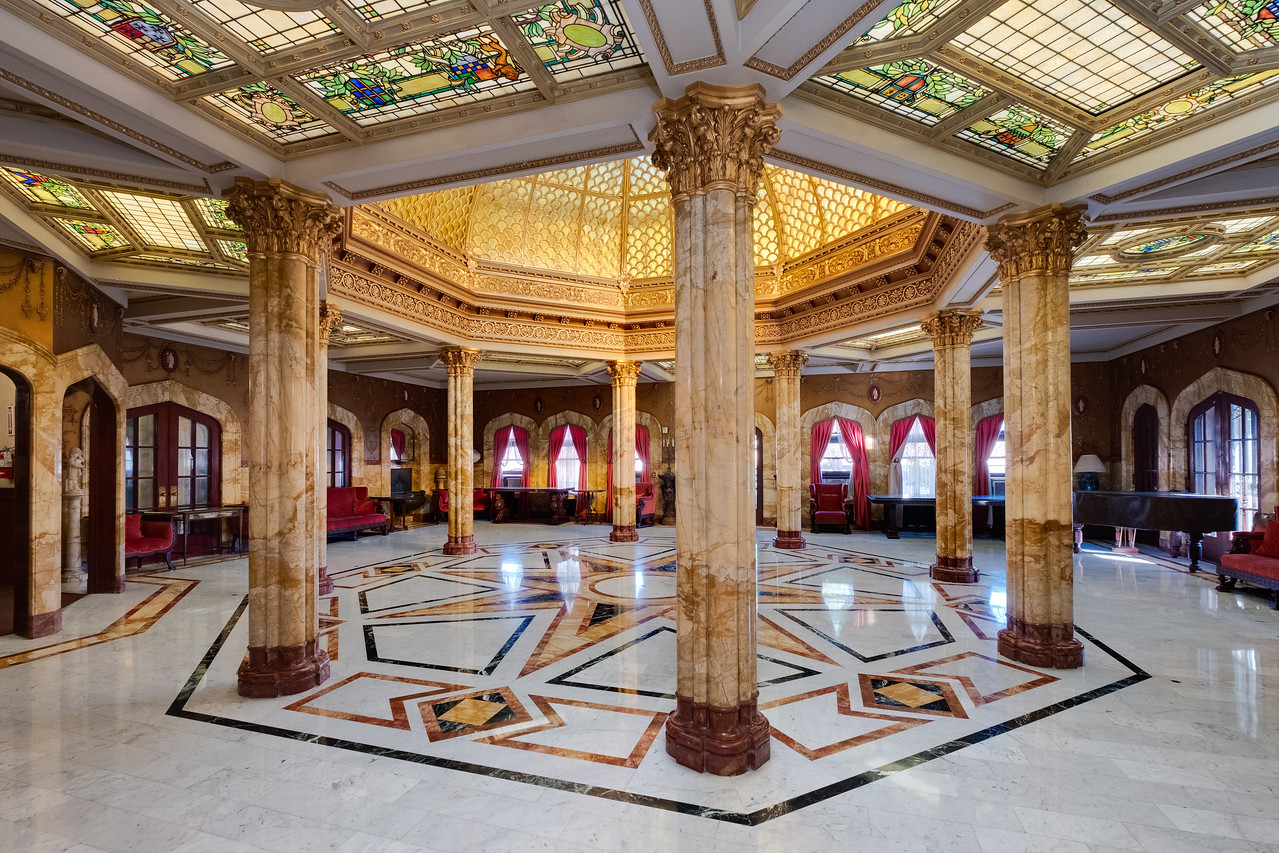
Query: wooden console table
{"points": [[223, 514]]}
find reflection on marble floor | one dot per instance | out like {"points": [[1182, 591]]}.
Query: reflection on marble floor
{"points": [[551, 662]]}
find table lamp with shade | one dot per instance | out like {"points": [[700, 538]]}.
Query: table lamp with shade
{"points": [[1088, 467]]}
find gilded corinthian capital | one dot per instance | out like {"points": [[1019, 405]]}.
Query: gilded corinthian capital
{"points": [[953, 328], [1040, 241], [714, 136], [460, 361], [330, 319], [279, 217], [787, 364], [623, 372]]}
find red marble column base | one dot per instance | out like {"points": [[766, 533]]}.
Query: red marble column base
{"points": [[1047, 646], [720, 741], [460, 545], [953, 570], [325, 582], [623, 533], [789, 539], [282, 671], [112, 584], [38, 625]]}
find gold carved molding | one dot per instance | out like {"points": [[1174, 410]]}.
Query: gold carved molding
{"points": [[714, 136], [1039, 241], [279, 217], [953, 328]]}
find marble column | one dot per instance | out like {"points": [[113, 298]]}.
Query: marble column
{"points": [[1034, 252], [460, 363], [711, 144], [790, 499], [624, 374], [330, 319], [952, 334], [287, 230]]}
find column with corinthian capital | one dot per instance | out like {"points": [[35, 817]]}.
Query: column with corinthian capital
{"points": [[1034, 253], [624, 374], [952, 334], [460, 363], [330, 319], [287, 230], [790, 501], [711, 144]]}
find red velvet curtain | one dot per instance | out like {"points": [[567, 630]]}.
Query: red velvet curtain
{"points": [[852, 434], [608, 494], [817, 449], [987, 435], [557, 443], [579, 444], [500, 439], [641, 448], [397, 444], [929, 427], [897, 438], [521, 445]]}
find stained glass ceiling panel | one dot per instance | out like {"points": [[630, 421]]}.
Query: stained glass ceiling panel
{"points": [[379, 9], [143, 34], [908, 18], [915, 88], [1266, 243], [266, 29], [1243, 24], [1194, 103], [1087, 52], [46, 189], [158, 221], [94, 236], [452, 70], [1020, 133], [213, 212], [587, 38], [271, 113]]}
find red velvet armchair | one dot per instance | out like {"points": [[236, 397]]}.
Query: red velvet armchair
{"points": [[645, 502], [826, 505], [148, 535]]}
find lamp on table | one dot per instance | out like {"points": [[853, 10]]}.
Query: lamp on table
{"points": [[1088, 467]]}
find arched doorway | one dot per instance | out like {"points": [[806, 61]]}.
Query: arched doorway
{"points": [[105, 574], [15, 503]]}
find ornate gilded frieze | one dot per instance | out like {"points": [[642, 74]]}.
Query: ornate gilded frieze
{"points": [[1041, 241], [850, 259], [545, 291], [279, 217], [714, 136]]}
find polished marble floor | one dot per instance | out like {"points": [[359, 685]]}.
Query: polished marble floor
{"points": [[513, 700]]}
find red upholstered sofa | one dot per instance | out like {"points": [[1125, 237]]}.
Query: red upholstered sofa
{"points": [[479, 503], [148, 535], [350, 511], [645, 502], [1254, 559], [826, 505]]}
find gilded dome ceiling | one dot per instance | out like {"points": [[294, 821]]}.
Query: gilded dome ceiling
{"points": [[613, 221]]}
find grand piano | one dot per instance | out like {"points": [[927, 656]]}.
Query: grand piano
{"points": [[1127, 512]]}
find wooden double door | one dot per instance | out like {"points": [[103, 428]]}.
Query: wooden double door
{"points": [[172, 458]]}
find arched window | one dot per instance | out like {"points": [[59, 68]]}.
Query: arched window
{"points": [[1145, 447], [989, 460], [402, 441], [914, 460], [339, 455], [1225, 452], [568, 465], [172, 458], [512, 464]]}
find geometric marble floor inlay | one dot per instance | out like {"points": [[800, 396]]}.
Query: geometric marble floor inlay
{"points": [[552, 663]]}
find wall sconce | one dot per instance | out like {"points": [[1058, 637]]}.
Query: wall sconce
{"points": [[1088, 467]]}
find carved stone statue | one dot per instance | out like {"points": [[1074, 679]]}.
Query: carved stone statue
{"points": [[73, 477]]}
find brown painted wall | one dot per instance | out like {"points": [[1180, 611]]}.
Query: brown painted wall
{"points": [[894, 388], [216, 372], [85, 315], [1092, 411], [655, 398], [26, 296], [371, 399]]}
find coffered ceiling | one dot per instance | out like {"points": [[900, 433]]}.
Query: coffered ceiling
{"points": [[469, 123]]}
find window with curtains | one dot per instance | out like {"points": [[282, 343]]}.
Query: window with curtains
{"points": [[339, 455], [996, 465], [1225, 452], [512, 464], [918, 465], [402, 440], [639, 467], [569, 465], [837, 464]]}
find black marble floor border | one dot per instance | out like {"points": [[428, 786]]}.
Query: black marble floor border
{"points": [[754, 818]]}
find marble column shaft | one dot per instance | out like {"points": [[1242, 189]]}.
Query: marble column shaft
{"points": [[711, 144], [285, 227], [1034, 253], [330, 319], [460, 363], [790, 499], [952, 334], [624, 375]]}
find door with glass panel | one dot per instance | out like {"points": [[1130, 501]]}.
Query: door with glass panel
{"points": [[171, 458]]}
